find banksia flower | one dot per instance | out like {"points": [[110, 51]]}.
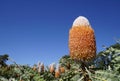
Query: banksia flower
{"points": [[57, 72], [42, 67], [39, 67], [34, 68], [52, 68], [62, 70], [82, 44]]}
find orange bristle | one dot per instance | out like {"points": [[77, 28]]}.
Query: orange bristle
{"points": [[82, 44]]}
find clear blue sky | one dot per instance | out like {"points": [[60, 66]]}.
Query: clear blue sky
{"points": [[37, 30]]}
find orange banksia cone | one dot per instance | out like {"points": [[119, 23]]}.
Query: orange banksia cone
{"points": [[57, 73], [82, 44], [62, 69], [52, 68], [34, 68]]}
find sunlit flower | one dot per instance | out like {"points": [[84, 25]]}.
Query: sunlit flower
{"points": [[57, 72], [82, 44], [40, 67], [62, 69], [52, 67]]}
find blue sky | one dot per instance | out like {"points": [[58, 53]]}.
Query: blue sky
{"points": [[37, 30]]}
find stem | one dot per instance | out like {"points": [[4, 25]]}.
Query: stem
{"points": [[16, 64], [85, 73]]}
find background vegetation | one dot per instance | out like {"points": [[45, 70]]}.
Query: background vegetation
{"points": [[105, 67]]}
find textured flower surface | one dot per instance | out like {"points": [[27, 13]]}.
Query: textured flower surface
{"points": [[82, 44]]}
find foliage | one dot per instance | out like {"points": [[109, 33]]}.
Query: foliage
{"points": [[106, 67], [105, 75], [3, 59], [109, 59]]}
